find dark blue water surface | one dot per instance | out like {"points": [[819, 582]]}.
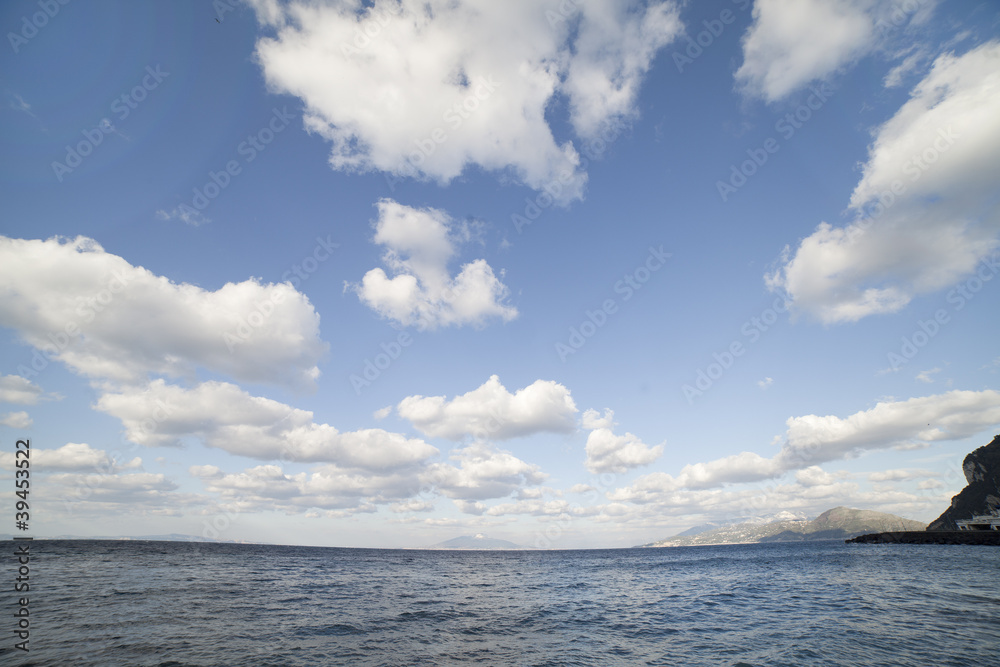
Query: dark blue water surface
{"points": [[178, 603]]}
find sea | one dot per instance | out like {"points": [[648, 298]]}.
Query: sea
{"points": [[176, 604]]}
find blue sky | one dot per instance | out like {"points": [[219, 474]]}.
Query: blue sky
{"points": [[573, 274]]}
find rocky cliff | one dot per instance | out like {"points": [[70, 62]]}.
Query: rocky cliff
{"points": [[982, 495]]}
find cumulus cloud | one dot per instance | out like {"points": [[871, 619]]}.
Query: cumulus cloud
{"points": [[926, 376], [483, 472], [793, 42], [19, 390], [425, 89], [536, 508], [473, 507], [811, 440], [607, 452], [900, 475], [491, 412], [412, 505], [331, 488], [419, 244], [106, 319], [205, 472], [19, 419], [814, 476], [926, 212], [72, 457], [140, 492], [950, 416], [224, 416]]}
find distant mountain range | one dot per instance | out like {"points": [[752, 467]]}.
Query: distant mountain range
{"points": [[839, 523], [477, 541]]}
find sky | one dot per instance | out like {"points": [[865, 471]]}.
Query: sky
{"points": [[573, 274]]}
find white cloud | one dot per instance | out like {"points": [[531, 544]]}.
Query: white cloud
{"points": [[185, 214], [484, 472], [205, 472], [140, 492], [224, 416], [412, 505], [742, 467], [490, 412], [765, 383], [532, 508], [949, 416], [71, 457], [894, 78], [925, 209], [811, 440], [19, 419], [900, 475], [814, 476], [107, 319], [794, 42], [268, 487], [437, 86], [473, 507], [607, 452], [419, 245], [925, 376], [592, 419], [19, 390]]}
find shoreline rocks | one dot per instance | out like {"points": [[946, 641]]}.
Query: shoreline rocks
{"points": [[978, 537]]}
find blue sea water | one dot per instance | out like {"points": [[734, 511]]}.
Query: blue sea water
{"points": [[828, 603]]}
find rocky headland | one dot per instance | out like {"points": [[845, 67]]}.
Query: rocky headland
{"points": [[981, 496]]}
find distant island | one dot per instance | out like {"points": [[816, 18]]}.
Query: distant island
{"points": [[836, 524], [478, 541], [977, 504]]}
